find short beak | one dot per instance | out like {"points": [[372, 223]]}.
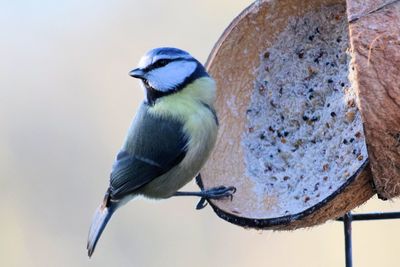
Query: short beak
{"points": [[137, 73]]}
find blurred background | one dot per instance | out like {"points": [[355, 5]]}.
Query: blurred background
{"points": [[66, 101]]}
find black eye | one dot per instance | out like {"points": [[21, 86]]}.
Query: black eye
{"points": [[160, 63]]}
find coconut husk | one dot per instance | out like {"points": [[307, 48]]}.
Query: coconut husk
{"points": [[375, 40], [233, 64]]}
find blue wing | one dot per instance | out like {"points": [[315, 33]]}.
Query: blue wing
{"points": [[153, 146]]}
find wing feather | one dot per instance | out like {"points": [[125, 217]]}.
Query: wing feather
{"points": [[153, 146]]}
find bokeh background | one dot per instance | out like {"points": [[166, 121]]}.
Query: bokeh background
{"points": [[66, 101]]}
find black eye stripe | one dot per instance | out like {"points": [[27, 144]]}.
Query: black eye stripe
{"points": [[163, 62]]}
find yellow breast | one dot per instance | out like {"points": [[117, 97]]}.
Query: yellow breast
{"points": [[193, 107], [189, 105]]}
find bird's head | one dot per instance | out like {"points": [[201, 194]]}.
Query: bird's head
{"points": [[167, 70]]}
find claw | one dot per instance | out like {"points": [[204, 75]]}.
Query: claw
{"points": [[202, 204], [233, 189], [219, 192]]}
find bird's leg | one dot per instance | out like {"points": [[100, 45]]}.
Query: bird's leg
{"points": [[212, 193]]}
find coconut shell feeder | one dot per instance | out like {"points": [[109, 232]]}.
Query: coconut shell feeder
{"points": [[309, 109]]}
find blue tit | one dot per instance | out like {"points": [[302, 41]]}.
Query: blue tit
{"points": [[170, 138]]}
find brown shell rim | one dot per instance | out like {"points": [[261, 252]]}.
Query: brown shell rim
{"points": [[283, 220], [227, 30]]}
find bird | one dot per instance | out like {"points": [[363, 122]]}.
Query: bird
{"points": [[170, 138]]}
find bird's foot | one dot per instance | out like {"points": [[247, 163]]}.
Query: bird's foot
{"points": [[212, 193], [215, 193]]}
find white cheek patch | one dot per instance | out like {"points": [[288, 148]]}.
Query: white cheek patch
{"points": [[168, 77]]}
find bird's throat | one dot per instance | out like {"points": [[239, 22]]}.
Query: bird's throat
{"points": [[152, 94]]}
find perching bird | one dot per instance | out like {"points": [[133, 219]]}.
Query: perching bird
{"points": [[170, 138]]}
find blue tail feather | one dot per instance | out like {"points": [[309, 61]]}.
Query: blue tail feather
{"points": [[99, 222]]}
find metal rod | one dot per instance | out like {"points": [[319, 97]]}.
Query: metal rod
{"points": [[347, 218], [373, 216]]}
